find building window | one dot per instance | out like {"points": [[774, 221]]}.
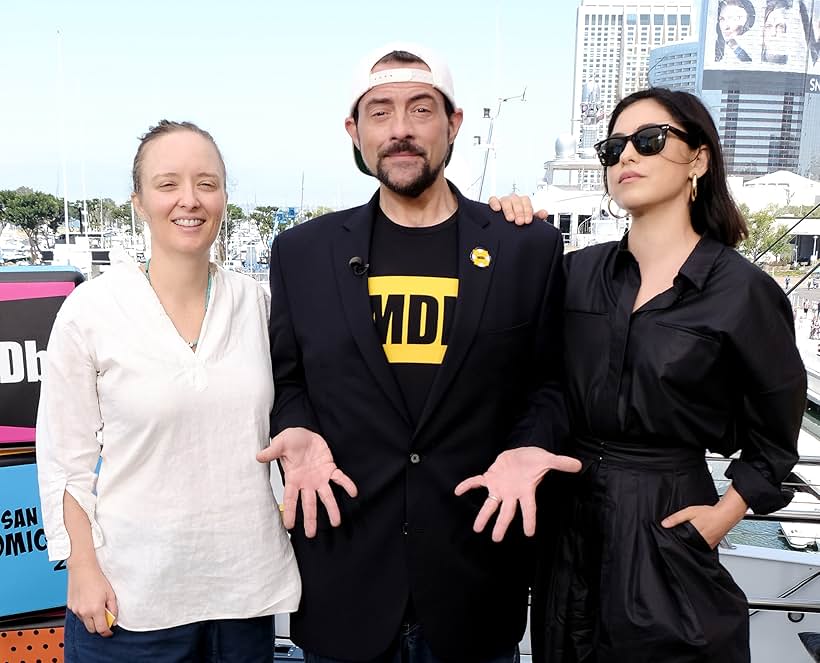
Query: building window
{"points": [[658, 19], [672, 19], [684, 20], [644, 19], [631, 19]]}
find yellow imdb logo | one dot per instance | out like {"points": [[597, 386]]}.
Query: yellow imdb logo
{"points": [[411, 315]]}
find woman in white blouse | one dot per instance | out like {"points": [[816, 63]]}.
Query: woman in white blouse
{"points": [[164, 373]]}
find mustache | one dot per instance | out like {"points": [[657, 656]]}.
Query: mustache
{"points": [[406, 146]]}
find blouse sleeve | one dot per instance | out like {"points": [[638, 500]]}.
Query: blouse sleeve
{"points": [[68, 419], [772, 380]]}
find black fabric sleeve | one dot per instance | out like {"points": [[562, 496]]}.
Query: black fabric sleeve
{"points": [[772, 379], [544, 423], [291, 405]]}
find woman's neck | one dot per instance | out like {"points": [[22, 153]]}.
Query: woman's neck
{"points": [[662, 233], [178, 279]]}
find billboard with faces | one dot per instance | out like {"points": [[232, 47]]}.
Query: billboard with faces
{"points": [[763, 36]]}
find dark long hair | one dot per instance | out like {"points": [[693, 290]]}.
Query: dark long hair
{"points": [[720, 44], [714, 212]]}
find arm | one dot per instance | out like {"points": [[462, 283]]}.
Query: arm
{"points": [[514, 476], [89, 592], [306, 461], [67, 453], [291, 407], [773, 396]]}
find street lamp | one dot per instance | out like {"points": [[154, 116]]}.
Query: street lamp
{"points": [[490, 145]]}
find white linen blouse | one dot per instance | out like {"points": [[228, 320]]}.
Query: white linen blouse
{"points": [[184, 520]]}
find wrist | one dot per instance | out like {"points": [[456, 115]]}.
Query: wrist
{"points": [[732, 505], [82, 562]]}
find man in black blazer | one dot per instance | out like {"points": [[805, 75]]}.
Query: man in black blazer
{"points": [[416, 353]]}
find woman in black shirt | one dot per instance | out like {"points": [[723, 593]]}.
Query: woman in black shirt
{"points": [[675, 344]]}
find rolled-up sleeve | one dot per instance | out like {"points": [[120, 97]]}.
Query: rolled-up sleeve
{"points": [[68, 420], [772, 381]]}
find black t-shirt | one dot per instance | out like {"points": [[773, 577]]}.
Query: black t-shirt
{"points": [[413, 285]]}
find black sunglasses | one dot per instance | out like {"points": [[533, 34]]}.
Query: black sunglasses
{"points": [[647, 141]]}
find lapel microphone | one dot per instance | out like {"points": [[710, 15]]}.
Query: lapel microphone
{"points": [[358, 266]]}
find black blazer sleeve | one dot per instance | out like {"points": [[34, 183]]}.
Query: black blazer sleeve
{"points": [[544, 422], [291, 406]]}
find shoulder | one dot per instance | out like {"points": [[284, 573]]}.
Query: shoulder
{"points": [[747, 281], [315, 228], [118, 281], [590, 258], [540, 232], [243, 289]]}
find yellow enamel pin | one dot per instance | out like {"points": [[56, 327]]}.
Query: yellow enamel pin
{"points": [[480, 257]]}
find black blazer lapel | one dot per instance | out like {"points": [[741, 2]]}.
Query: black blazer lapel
{"points": [[473, 285], [354, 240]]}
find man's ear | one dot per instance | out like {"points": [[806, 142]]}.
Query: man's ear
{"points": [[353, 131]]}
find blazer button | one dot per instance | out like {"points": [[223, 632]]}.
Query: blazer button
{"points": [[415, 459]]}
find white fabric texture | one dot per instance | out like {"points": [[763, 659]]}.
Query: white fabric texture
{"points": [[185, 523]]}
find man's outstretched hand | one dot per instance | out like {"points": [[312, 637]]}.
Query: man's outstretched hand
{"points": [[511, 480], [309, 468]]}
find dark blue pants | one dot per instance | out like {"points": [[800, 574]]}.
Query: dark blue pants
{"points": [[218, 641], [411, 647]]}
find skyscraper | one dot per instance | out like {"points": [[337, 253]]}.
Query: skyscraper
{"points": [[675, 66], [612, 46], [760, 73]]}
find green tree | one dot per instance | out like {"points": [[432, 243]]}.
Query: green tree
{"points": [[5, 200], [763, 231], [233, 215], [318, 211], [265, 219], [33, 213]]}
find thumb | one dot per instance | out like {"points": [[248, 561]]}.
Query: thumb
{"points": [[566, 464], [677, 518], [111, 602], [271, 452]]}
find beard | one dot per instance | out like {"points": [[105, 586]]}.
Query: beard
{"points": [[423, 180]]}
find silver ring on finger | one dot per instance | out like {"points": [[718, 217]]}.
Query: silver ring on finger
{"points": [[492, 497]]}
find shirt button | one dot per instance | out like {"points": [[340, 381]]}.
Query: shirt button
{"points": [[415, 459]]}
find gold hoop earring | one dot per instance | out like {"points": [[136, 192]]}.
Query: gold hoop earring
{"points": [[611, 213], [694, 194]]}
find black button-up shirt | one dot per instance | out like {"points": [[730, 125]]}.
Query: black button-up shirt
{"points": [[710, 363]]}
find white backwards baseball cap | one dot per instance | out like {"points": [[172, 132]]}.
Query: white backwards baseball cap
{"points": [[365, 79]]}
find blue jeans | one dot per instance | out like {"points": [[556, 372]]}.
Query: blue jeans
{"points": [[411, 647], [217, 641]]}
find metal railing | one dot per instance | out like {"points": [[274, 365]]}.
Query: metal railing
{"points": [[782, 602]]}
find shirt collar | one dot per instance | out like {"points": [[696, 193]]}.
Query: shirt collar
{"points": [[700, 262], [697, 267]]}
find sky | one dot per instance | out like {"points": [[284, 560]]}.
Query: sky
{"points": [[271, 80]]}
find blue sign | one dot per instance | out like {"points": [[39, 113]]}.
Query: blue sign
{"points": [[292, 213], [30, 582]]}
